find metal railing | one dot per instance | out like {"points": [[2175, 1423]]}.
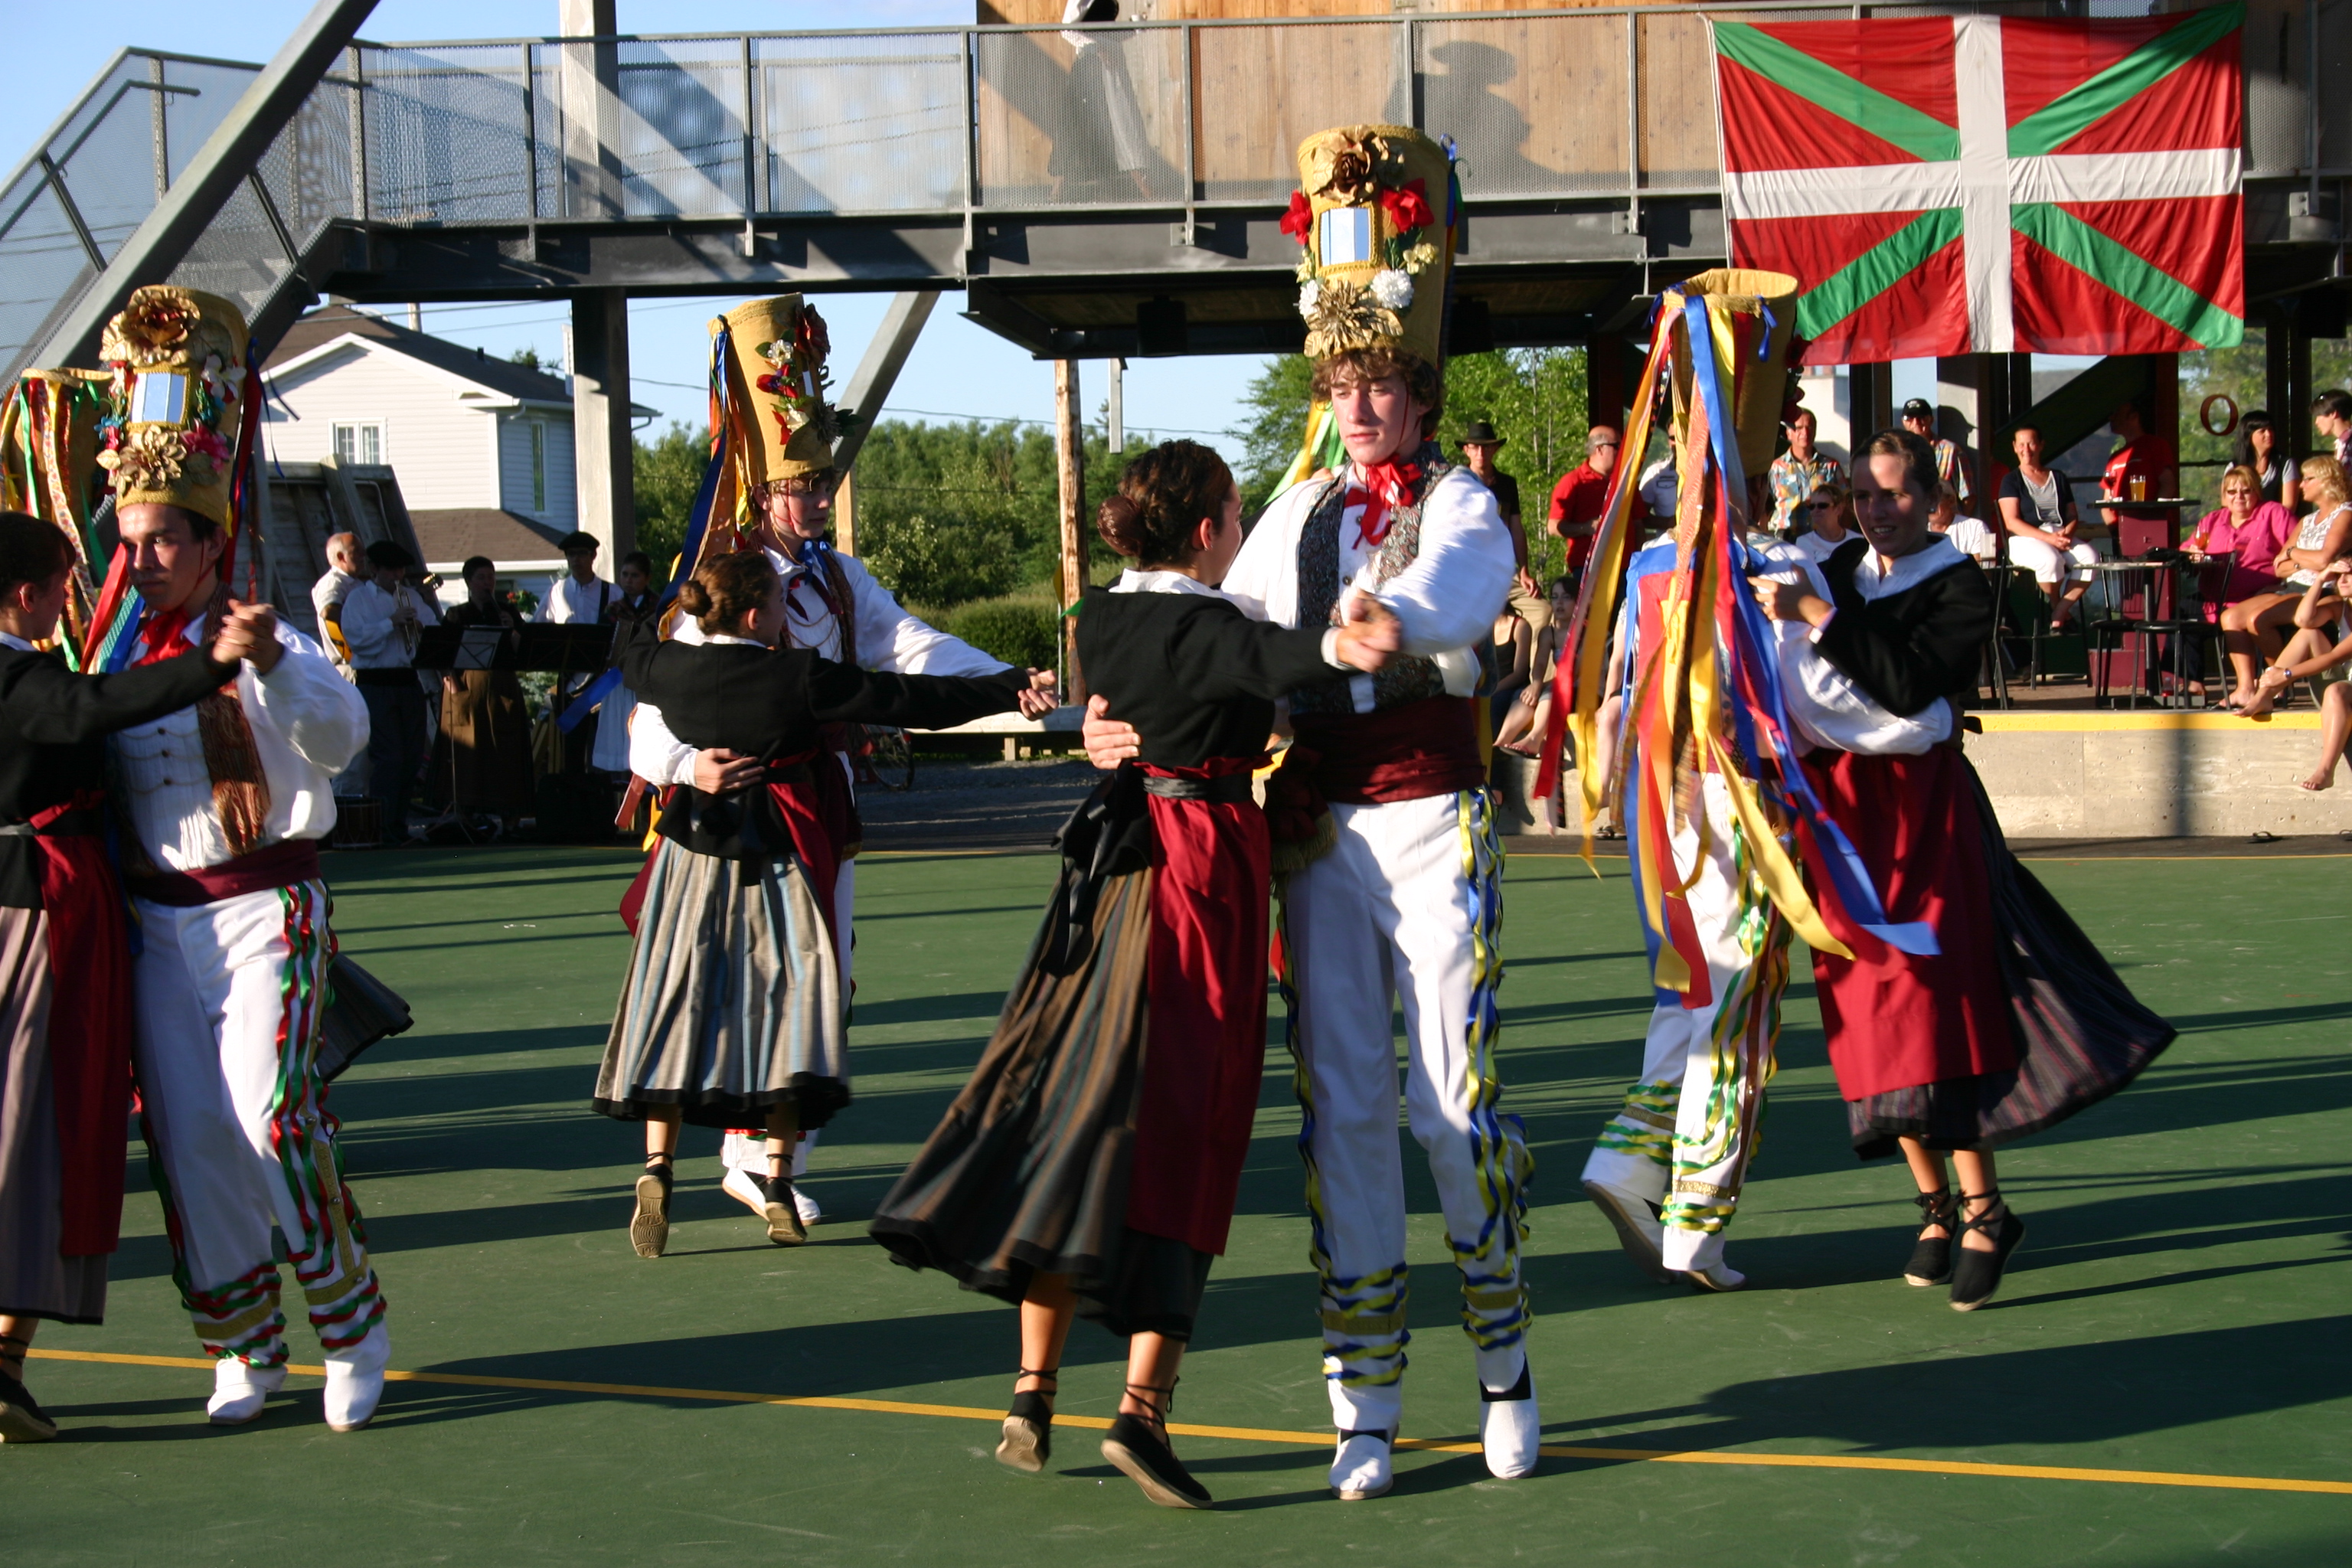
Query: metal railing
{"points": [[1609, 105]]}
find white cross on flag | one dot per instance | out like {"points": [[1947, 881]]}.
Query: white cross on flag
{"points": [[1989, 184]]}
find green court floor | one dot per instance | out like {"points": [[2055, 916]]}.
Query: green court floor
{"points": [[2177, 1311]]}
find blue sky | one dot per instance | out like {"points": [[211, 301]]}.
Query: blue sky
{"points": [[958, 369]]}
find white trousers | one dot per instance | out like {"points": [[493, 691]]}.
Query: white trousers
{"points": [[1685, 1134], [2042, 558], [1407, 904], [228, 999], [749, 1151]]}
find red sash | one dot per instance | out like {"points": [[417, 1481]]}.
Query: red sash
{"points": [[90, 1029], [1407, 752], [280, 865]]}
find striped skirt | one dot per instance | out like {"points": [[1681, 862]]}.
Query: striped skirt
{"points": [[733, 1006]]}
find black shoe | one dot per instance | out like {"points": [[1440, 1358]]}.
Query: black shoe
{"points": [[1029, 1426], [649, 1226], [22, 1419], [1976, 1274], [1140, 1448], [783, 1215], [1931, 1259]]}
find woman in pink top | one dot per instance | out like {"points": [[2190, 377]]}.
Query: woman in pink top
{"points": [[2248, 528]]}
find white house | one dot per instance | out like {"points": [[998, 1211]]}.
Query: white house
{"points": [[482, 445]]}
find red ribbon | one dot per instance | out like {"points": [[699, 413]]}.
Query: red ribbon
{"points": [[1385, 485]]}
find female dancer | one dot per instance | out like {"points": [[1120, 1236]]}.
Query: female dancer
{"points": [[2018, 1022], [2251, 627], [1092, 1162], [731, 1015]]}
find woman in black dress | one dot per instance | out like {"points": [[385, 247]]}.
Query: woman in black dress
{"points": [[1092, 1163], [2016, 1022], [481, 760], [731, 1016]]}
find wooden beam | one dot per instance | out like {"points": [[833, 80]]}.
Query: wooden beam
{"points": [[1071, 453], [845, 513]]}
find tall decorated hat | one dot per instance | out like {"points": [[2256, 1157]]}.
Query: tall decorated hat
{"points": [[1767, 302], [176, 401], [775, 367], [1375, 210]]}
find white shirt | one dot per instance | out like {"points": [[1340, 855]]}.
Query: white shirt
{"points": [[374, 637], [308, 723], [1816, 549], [1446, 601], [888, 638], [332, 590], [1971, 537], [570, 601], [1659, 488]]}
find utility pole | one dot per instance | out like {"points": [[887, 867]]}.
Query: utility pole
{"points": [[1115, 437], [1072, 467]]}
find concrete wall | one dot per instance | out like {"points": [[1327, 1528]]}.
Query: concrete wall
{"points": [[440, 448], [2118, 776]]}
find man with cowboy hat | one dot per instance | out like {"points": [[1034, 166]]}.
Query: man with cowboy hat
{"points": [[1479, 444]]}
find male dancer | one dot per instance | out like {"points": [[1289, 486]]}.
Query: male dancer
{"points": [[1407, 898], [225, 803], [1667, 1169], [832, 607]]}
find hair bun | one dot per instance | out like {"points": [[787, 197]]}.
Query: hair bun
{"points": [[693, 598], [1120, 522]]}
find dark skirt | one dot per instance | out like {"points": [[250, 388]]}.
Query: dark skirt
{"points": [[2081, 1034], [1028, 1172]]}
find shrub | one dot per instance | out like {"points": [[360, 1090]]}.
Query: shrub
{"points": [[1019, 630]]}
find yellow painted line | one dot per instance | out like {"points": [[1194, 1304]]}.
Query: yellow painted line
{"points": [[1290, 1439], [1998, 720]]}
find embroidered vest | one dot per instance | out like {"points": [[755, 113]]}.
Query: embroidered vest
{"points": [[1407, 678]]}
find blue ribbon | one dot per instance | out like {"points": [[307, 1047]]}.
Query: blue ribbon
{"points": [[592, 693], [1841, 862]]}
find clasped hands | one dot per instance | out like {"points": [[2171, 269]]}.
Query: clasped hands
{"points": [[248, 632]]}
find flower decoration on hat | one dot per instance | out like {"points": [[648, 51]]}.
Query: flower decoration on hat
{"points": [[177, 400], [776, 356], [1376, 246]]}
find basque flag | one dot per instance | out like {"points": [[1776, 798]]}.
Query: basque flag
{"points": [[1991, 185]]}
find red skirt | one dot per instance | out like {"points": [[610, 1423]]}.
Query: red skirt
{"points": [[90, 1034], [1205, 1029], [1894, 1020]]}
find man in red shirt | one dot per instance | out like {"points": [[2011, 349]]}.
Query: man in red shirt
{"points": [[2146, 459], [1581, 497]]}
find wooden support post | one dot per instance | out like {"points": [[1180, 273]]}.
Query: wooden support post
{"points": [[845, 513], [1071, 452]]}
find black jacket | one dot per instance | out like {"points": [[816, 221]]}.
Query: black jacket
{"points": [[1908, 648], [1194, 676], [773, 704], [53, 729]]}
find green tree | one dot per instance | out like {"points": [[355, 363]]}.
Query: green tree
{"points": [[667, 474]]}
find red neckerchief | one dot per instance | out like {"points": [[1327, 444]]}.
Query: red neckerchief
{"points": [[166, 633], [1385, 484]]}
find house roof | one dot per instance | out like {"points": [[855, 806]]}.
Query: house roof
{"points": [[451, 534], [502, 377]]}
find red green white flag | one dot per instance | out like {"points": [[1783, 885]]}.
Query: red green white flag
{"points": [[1991, 185]]}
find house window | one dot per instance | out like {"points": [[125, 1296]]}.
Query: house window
{"points": [[538, 466], [358, 442]]}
